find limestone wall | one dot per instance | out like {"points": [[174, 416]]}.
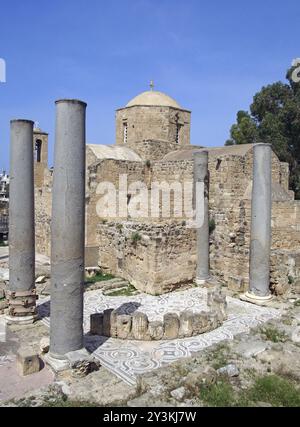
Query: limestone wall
{"points": [[154, 258], [43, 206], [165, 256], [152, 123]]}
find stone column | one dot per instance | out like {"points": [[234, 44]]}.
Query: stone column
{"points": [[202, 214], [261, 208], [67, 233], [21, 294]]}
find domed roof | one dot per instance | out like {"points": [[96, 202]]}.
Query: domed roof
{"points": [[153, 98]]}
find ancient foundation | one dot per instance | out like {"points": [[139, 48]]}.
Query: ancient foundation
{"points": [[21, 294], [136, 326]]}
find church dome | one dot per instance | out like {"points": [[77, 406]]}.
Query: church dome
{"points": [[153, 98]]}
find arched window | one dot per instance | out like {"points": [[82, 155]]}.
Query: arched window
{"points": [[38, 150]]}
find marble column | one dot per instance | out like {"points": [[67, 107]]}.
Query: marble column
{"points": [[21, 294], [202, 215], [261, 208], [67, 232]]}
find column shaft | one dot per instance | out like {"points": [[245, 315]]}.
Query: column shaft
{"points": [[21, 295], [261, 221], [67, 228], [201, 185]]}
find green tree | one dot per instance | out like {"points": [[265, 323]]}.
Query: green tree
{"points": [[274, 118], [244, 131]]}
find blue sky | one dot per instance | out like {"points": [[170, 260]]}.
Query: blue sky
{"points": [[211, 56]]}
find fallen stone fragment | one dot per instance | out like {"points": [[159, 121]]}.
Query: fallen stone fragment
{"points": [[179, 393], [251, 349], [230, 370], [28, 361], [40, 279], [83, 368], [44, 345]]}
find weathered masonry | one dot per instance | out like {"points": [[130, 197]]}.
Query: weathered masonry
{"points": [[157, 253]]}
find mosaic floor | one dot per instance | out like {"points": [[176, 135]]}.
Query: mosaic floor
{"points": [[127, 359]]}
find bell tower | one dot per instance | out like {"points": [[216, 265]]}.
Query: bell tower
{"points": [[40, 147]]}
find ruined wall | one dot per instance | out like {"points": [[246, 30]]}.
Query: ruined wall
{"points": [[155, 262], [43, 206], [152, 123], [231, 212], [156, 258]]}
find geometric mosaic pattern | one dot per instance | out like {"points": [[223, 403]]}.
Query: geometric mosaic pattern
{"points": [[129, 358]]}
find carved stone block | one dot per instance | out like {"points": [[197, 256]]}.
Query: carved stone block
{"points": [[124, 323], [156, 330], [96, 320], [140, 323], [171, 324]]}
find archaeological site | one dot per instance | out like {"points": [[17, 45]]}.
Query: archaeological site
{"points": [[147, 272]]}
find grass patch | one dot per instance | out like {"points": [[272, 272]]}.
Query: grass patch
{"points": [[273, 334], [135, 238], [129, 290], [52, 402], [99, 277], [219, 356], [274, 390], [61, 403], [271, 389], [220, 394], [297, 303]]}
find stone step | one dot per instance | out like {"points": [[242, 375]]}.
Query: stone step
{"points": [[108, 292], [116, 285], [107, 284]]}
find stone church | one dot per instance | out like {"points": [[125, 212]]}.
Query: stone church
{"points": [[157, 253]]}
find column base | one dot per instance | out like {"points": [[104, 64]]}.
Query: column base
{"points": [[57, 364], [202, 281], [22, 320], [62, 363], [255, 299]]}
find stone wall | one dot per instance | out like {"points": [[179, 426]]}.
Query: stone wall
{"points": [[231, 211], [165, 256], [152, 123], [156, 258], [43, 206]]}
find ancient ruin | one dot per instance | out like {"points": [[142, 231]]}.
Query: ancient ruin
{"points": [[194, 233], [156, 251]]}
